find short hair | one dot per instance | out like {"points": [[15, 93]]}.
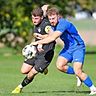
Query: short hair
{"points": [[52, 10], [37, 12]]}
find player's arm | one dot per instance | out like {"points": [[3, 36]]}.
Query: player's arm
{"points": [[39, 36], [48, 30], [51, 37]]}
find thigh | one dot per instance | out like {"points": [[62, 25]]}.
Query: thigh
{"points": [[30, 61], [78, 55], [61, 61], [66, 56], [41, 64], [43, 61], [27, 65], [49, 55], [26, 68]]}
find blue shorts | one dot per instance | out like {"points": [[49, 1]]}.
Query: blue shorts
{"points": [[75, 54]]}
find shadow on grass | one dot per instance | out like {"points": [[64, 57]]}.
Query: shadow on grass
{"points": [[61, 92], [91, 52], [46, 93]]}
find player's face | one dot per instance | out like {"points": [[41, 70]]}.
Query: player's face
{"points": [[36, 19], [53, 19]]}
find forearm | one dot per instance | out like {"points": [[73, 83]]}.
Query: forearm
{"points": [[45, 41], [39, 36], [48, 39], [44, 36]]}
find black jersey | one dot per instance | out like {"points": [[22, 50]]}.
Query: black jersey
{"points": [[42, 59], [41, 30], [41, 27]]}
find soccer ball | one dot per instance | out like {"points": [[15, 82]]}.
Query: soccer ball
{"points": [[29, 51]]}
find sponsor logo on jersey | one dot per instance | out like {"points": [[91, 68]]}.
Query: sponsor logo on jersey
{"points": [[47, 29]]}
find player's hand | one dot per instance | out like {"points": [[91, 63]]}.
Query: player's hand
{"points": [[37, 35], [34, 43], [39, 47]]}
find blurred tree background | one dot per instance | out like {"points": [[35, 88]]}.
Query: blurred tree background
{"points": [[15, 17]]}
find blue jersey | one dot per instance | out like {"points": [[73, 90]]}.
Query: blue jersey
{"points": [[70, 35]]}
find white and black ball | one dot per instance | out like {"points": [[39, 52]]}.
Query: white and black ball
{"points": [[29, 51]]}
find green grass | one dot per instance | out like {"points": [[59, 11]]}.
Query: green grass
{"points": [[54, 83], [85, 24]]}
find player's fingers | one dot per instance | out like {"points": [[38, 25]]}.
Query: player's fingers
{"points": [[34, 43]]}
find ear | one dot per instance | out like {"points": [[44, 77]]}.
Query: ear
{"points": [[58, 15]]}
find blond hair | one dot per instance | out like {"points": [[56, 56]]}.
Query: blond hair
{"points": [[52, 10]]}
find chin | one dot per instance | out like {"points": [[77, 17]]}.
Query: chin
{"points": [[35, 24], [52, 25]]}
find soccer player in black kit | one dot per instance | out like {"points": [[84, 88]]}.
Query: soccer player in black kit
{"points": [[31, 67]]}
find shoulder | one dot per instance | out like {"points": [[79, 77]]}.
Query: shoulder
{"points": [[63, 25], [45, 21], [46, 25], [63, 21]]}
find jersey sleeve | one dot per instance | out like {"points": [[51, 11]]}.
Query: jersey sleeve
{"points": [[62, 25], [47, 26]]}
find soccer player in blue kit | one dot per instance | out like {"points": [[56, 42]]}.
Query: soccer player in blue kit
{"points": [[74, 47]]}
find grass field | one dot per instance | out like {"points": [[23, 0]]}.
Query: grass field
{"points": [[53, 84], [85, 24]]}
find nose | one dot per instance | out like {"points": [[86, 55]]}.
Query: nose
{"points": [[51, 21]]}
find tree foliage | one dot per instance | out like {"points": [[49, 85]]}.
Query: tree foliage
{"points": [[15, 15]]}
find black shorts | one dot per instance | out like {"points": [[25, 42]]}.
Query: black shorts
{"points": [[41, 61]]}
